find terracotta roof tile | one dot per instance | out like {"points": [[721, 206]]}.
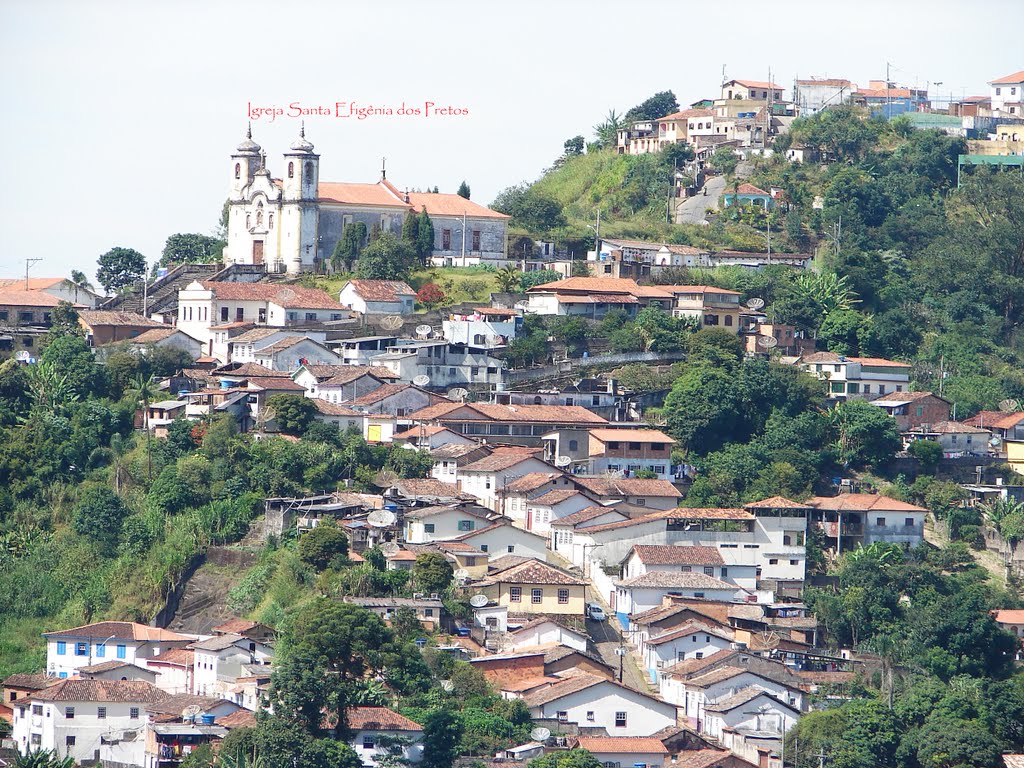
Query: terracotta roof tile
{"points": [[445, 204], [1016, 77], [631, 435], [622, 745], [564, 687], [107, 317], [1009, 616], [382, 392], [557, 496], [382, 290], [427, 487], [243, 718], [757, 84], [14, 298], [690, 628], [863, 502], [74, 689], [670, 554], [352, 193], [588, 513], [623, 486], [675, 580], [379, 719], [532, 572], [287, 296], [775, 502], [120, 630]]}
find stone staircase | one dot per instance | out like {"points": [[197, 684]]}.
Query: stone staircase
{"points": [[162, 294]]}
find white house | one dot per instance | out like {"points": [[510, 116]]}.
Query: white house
{"points": [[501, 538], [682, 558], [379, 731], [745, 713], [338, 383], [486, 478], [444, 363], [542, 510], [484, 327], [692, 694], [174, 670], [167, 338], [220, 660], [589, 701], [438, 523], [628, 451], [1007, 95], [72, 718], [546, 631], [641, 593], [378, 297], [243, 347], [69, 650], [428, 437], [625, 750], [204, 305], [358, 351], [857, 377], [292, 353], [690, 641]]}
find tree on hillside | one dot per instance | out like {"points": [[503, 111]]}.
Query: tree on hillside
{"points": [[432, 572], [507, 279], [430, 296], [192, 248], [442, 734], [532, 210], [386, 258], [606, 132], [70, 356], [424, 237], [323, 546], [865, 435], [725, 160], [660, 104], [463, 190], [573, 758], [349, 246], [573, 147], [293, 413], [120, 268], [99, 515], [410, 231], [64, 321]]}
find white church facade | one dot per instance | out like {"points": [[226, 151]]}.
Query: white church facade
{"points": [[292, 224]]}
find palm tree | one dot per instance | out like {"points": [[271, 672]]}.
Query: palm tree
{"points": [[607, 130], [508, 279], [828, 290], [142, 393]]}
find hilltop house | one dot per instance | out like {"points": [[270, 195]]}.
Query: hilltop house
{"points": [[856, 377], [378, 297], [105, 327], [379, 731], [593, 297], [220, 660], [915, 409], [630, 451], [852, 519]]}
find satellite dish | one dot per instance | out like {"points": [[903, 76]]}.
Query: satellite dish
{"points": [[423, 330], [458, 394], [563, 461], [381, 518], [767, 342], [478, 601], [996, 441], [1009, 405], [422, 380], [385, 478], [755, 303], [390, 549], [462, 574], [191, 712], [392, 322], [540, 734], [448, 685]]}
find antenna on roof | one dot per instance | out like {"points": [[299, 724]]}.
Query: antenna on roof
{"points": [[423, 330], [383, 168], [540, 734], [385, 479], [755, 303], [478, 601], [390, 548], [1009, 405], [767, 342], [381, 518], [190, 713], [459, 393], [461, 575]]}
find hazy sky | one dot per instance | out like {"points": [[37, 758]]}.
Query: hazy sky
{"points": [[118, 118]]}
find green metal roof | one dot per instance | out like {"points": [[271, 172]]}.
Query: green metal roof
{"points": [[991, 160]]}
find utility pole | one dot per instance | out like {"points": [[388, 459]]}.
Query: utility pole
{"points": [[464, 233], [28, 264], [821, 757], [888, 92]]}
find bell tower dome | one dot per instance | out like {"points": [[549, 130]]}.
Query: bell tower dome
{"points": [[245, 161]]}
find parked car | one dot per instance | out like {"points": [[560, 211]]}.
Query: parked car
{"points": [[596, 612]]}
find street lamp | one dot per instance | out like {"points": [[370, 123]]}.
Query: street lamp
{"points": [[104, 644]]}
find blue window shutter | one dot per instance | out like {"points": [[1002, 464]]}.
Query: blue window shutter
{"points": [[122, 651], [63, 675], [62, 648], [101, 650]]}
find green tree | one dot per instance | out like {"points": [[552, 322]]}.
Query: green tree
{"points": [[573, 147], [725, 160], [386, 258], [865, 435], [64, 321], [424, 237], [119, 268], [71, 357], [463, 190], [293, 413], [142, 393], [606, 132], [43, 759], [81, 279], [659, 105], [349, 246], [507, 279], [432, 572], [573, 758], [324, 546], [442, 734], [192, 248], [99, 514], [841, 331]]}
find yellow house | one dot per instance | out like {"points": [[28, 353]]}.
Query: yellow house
{"points": [[530, 586], [1015, 455]]}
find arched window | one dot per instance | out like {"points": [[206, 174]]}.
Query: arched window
{"points": [[309, 173], [259, 218], [248, 221], [238, 170], [537, 400], [478, 338], [270, 221], [291, 170]]}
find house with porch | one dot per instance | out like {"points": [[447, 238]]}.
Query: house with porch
{"points": [[852, 519], [379, 733], [629, 451], [857, 377], [748, 194], [915, 409]]}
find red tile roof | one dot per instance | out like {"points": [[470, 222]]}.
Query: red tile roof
{"points": [[333, 409], [532, 572], [557, 496], [674, 289], [354, 193], [688, 113], [631, 435], [627, 486], [120, 630], [863, 502], [444, 204], [690, 628], [153, 335], [382, 392], [904, 397], [704, 758], [287, 296], [74, 689], [15, 298], [1007, 616], [93, 317], [589, 513], [243, 718], [675, 580], [381, 290], [544, 414], [995, 419], [670, 554], [532, 481], [756, 84], [498, 461], [1016, 77], [380, 719], [775, 502], [749, 189], [622, 745]]}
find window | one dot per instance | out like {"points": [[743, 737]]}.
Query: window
{"points": [[428, 527], [634, 446], [773, 561], [133, 713], [262, 315], [428, 612], [311, 316], [574, 445], [908, 522], [999, 91], [709, 571], [620, 719], [698, 655], [563, 597], [465, 525], [25, 317], [590, 715], [238, 170], [291, 170], [239, 314], [69, 713], [476, 239], [511, 548], [794, 562], [62, 648], [101, 650], [725, 571], [483, 547], [446, 239], [641, 502], [686, 569], [698, 594], [728, 320], [536, 596], [122, 651], [309, 172], [880, 521], [81, 649], [69, 741], [515, 594], [101, 713], [37, 710], [562, 716], [37, 739]]}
